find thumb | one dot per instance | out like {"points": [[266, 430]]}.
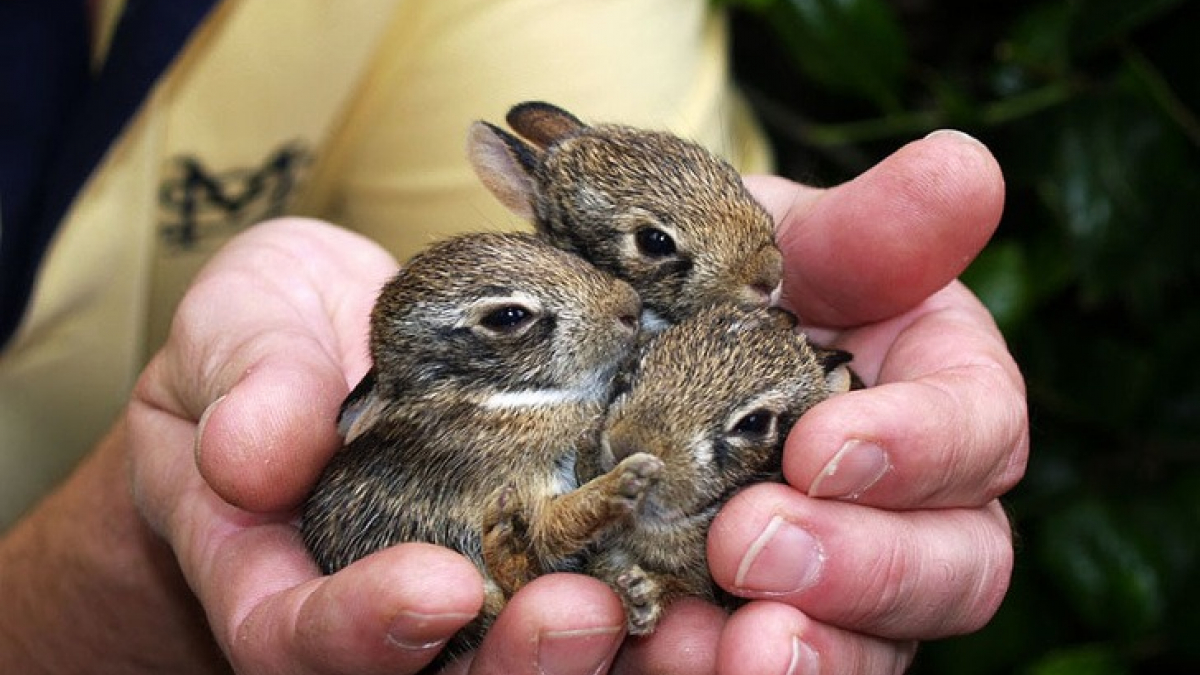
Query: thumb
{"points": [[877, 245], [261, 351]]}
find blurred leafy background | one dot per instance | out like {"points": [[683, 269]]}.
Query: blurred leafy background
{"points": [[1092, 108]]}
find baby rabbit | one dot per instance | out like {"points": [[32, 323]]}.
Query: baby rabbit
{"points": [[493, 361], [714, 398], [660, 212]]}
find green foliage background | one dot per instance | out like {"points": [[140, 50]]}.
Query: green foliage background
{"points": [[1093, 109]]}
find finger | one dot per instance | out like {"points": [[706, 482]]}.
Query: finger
{"points": [[267, 604], [945, 426], [391, 612], [770, 637], [899, 575], [280, 356], [387, 613], [557, 624], [683, 643], [879, 244]]}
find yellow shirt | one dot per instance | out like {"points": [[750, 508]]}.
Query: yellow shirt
{"points": [[353, 111]]}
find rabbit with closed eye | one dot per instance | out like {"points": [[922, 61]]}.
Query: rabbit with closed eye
{"points": [[713, 398], [493, 360], [662, 213]]}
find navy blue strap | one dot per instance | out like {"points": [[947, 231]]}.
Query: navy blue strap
{"points": [[148, 36], [43, 77]]}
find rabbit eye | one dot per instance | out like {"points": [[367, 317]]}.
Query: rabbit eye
{"points": [[654, 243], [757, 423], [506, 319]]}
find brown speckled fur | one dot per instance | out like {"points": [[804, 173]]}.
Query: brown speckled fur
{"points": [[689, 389], [590, 189], [427, 458]]}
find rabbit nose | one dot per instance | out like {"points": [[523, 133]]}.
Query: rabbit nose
{"points": [[761, 294], [629, 314], [629, 322], [763, 277]]}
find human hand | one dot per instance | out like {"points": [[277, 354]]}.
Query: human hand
{"points": [[229, 428], [274, 331], [889, 530]]}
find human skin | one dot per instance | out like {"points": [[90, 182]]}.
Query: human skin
{"points": [[190, 501]]}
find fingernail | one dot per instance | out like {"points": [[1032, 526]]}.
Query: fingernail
{"points": [[805, 660], [203, 422], [413, 631], [785, 558], [577, 652], [853, 470], [954, 133]]}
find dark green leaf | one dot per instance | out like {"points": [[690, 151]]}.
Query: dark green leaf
{"points": [[1085, 660], [1108, 575], [999, 277], [1120, 174], [1095, 23], [1038, 40], [852, 46]]}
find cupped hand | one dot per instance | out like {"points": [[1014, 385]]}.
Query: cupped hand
{"points": [[230, 426], [234, 418], [889, 529]]}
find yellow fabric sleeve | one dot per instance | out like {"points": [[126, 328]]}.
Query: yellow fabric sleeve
{"points": [[377, 96], [397, 170]]}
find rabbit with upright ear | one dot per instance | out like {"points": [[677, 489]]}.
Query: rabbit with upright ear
{"points": [[493, 360], [663, 213], [713, 398]]}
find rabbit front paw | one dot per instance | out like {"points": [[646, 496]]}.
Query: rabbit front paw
{"points": [[506, 547], [635, 475]]}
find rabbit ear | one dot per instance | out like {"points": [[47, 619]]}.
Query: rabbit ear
{"points": [[543, 124], [360, 409], [505, 164], [838, 376]]}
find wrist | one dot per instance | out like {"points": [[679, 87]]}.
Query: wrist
{"points": [[88, 587]]}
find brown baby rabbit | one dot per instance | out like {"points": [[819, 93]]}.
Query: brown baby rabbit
{"points": [[493, 361], [660, 212], [714, 399]]}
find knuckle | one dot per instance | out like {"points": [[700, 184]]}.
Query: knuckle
{"points": [[986, 440], [1012, 470], [890, 589], [985, 588], [947, 579]]}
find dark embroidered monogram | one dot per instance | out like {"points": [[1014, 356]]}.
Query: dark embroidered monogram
{"points": [[196, 202]]}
